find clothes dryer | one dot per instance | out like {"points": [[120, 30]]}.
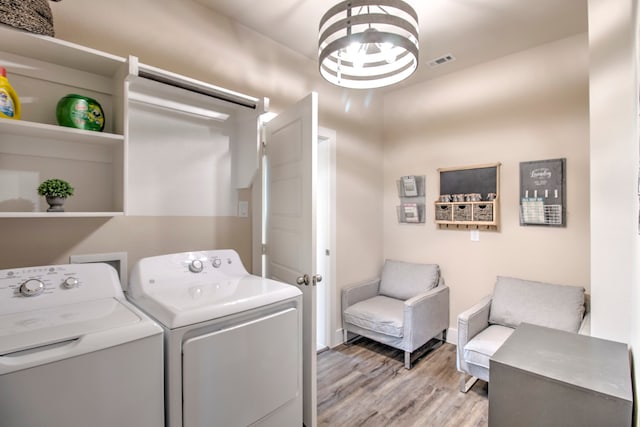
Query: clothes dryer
{"points": [[233, 341], [74, 352]]}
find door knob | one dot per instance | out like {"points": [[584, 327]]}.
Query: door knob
{"points": [[317, 278], [303, 280]]}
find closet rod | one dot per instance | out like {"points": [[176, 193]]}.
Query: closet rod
{"points": [[218, 94]]}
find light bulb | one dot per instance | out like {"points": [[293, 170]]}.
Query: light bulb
{"points": [[356, 54], [387, 52], [353, 49]]}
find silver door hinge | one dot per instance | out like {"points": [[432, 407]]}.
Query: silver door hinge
{"points": [[264, 249]]}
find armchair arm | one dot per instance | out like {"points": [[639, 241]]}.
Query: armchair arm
{"points": [[585, 326], [425, 316], [356, 293], [470, 323], [359, 292]]}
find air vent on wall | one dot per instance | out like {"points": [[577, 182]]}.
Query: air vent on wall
{"points": [[436, 62]]}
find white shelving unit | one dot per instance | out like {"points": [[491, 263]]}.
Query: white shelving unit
{"points": [[42, 70], [156, 123]]}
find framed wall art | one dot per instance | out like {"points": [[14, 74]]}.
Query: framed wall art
{"points": [[542, 193]]}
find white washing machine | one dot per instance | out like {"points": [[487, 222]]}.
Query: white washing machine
{"points": [[233, 341], [74, 352]]}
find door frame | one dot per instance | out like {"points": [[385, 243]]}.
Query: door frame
{"points": [[333, 336]]}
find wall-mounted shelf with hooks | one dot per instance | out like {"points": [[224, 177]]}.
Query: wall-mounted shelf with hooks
{"points": [[469, 197]]}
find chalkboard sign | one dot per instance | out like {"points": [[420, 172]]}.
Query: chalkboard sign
{"points": [[542, 192], [481, 180]]}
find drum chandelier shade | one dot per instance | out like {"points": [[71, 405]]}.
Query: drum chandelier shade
{"points": [[367, 44]]}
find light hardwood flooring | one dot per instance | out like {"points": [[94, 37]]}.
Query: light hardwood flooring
{"points": [[365, 384]]}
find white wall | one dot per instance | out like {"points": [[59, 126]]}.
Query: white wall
{"points": [[614, 166], [532, 105], [613, 41]]}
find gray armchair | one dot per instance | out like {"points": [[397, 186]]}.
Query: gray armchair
{"points": [[405, 308], [483, 328]]}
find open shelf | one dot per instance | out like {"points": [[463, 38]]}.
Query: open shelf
{"points": [[59, 214], [47, 131], [59, 52], [43, 70]]}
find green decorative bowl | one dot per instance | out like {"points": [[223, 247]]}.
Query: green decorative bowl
{"points": [[80, 112]]}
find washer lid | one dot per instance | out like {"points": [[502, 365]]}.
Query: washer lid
{"points": [[39, 328], [176, 304]]}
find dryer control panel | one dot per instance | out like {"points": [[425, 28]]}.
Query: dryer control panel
{"points": [[186, 267], [33, 288]]}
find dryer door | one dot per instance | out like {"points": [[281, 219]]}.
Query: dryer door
{"points": [[245, 374]]}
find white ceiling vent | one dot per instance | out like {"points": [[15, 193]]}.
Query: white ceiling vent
{"points": [[436, 62]]}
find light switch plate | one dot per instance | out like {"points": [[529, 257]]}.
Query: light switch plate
{"points": [[243, 209], [475, 235]]}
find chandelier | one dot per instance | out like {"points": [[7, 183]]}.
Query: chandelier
{"points": [[367, 44]]}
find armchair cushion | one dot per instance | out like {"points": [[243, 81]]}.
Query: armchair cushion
{"points": [[379, 314], [479, 350], [403, 280], [554, 306]]}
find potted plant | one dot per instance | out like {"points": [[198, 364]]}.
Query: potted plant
{"points": [[56, 192]]}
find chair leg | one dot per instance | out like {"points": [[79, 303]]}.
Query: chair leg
{"points": [[407, 360], [465, 385]]}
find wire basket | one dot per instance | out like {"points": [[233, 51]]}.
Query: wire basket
{"points": [[31, 15]]}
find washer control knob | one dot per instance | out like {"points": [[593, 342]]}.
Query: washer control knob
{"points": [[70, 282], [31, 288], [216, 262], [196, 266]]}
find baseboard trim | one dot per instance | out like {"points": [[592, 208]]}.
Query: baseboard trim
{"points": [[338, 338], [452, 336]]}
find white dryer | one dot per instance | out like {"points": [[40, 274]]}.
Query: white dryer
{"points": [[233, 341], [74, 352]]}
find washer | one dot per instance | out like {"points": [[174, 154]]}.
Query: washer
{"points": [[233, 341], [74, 352]]}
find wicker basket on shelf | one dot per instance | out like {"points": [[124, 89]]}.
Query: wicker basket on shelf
{"points": [[462, 213], [31, 15], [483, 212], [443, 213]]}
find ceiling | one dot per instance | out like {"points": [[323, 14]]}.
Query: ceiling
{"points": [[472, 31]]}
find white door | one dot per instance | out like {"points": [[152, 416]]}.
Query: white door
{"points": [[291, 161]]}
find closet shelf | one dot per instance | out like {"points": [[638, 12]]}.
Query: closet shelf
{"points": [[59, 214], [47, 131]]}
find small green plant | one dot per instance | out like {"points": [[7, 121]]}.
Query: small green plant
{"points": [[55, 188]]}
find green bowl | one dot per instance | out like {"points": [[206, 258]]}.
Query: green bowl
{"points": [[80, 112]]}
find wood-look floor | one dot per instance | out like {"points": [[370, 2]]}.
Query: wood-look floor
{"points": [[366, 384]]}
